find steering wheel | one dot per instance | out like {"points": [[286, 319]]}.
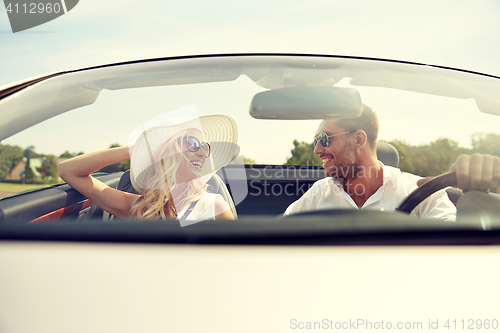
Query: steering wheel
{"points": [[425, 190]]}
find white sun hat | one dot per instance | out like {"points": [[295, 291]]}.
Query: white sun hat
{"points": [[220, 132]]}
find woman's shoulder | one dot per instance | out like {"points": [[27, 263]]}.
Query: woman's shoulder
{"points": [[212, 196], [217, 202], [222, 209]]}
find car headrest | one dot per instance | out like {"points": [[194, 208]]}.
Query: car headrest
{"points": [[125, 185], [387, 154]]}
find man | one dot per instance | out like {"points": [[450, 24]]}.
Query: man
{"points": [[356, 179]]}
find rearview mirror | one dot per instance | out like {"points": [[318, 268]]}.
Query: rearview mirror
{"points": [[307, 103]]}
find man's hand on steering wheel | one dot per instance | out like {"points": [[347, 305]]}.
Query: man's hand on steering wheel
{"points": [[479, 172], [469, 172]]}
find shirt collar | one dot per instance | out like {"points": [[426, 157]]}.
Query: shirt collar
{"points": [[336, 184], [388, 179]]}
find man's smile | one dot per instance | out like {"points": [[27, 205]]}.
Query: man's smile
{"points": [[326, 160]]}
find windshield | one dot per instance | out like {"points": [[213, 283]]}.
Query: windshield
{"points": [[430, 115]]}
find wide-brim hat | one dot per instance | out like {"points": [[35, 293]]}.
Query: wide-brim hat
{"points": [[220, 132]]}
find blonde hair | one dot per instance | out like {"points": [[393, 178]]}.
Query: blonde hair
{"points": [[162, 180]]}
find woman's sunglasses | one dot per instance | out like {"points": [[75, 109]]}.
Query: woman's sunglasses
{"points": [[324, 138], [193, 145]]}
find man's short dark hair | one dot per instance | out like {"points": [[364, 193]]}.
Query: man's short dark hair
{"points": [[368, 122]]}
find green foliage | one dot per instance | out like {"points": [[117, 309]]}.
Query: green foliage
{"points": [[9, 157], [29, 176], [121, 166], [67, 154], [247, 160], [30, 152], [486, 144], [49, 167], [430, 159], [303, 154], [436, 158]]}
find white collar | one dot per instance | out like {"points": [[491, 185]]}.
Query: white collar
{"points": [[388, 176]]}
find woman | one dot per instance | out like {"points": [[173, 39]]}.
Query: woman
{"points": [[169, 164]]}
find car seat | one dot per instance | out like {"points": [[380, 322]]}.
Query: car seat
{"points": [[387, 154]]}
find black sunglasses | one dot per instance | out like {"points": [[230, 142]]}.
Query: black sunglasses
{"points": [[193, 145], [324, 138]]}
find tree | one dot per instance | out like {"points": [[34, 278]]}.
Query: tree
{"points": [[428, 160], [405, 155], [29, 152], [29, 175], [247, 160], [49, 167], [67, 154], [303, 154], [435, 158], [120, 166], [9, 157], [486, 144]]}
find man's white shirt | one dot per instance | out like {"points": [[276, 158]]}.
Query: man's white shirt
{"points": [[397, 185]]}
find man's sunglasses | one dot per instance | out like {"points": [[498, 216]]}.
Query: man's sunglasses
{"points": [[193, 145], [324, 138]]}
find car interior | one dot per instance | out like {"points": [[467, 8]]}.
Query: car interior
{"points": [[63, 202]]}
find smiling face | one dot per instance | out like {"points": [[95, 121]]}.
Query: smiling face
{"points": [[339, 157], [192, 161]]}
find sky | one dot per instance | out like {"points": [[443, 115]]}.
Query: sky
{"points": [[456, 34]]}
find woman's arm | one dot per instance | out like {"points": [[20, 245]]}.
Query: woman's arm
{"points": [[222, 210], [76, 172]]}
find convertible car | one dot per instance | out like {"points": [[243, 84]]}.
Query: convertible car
{"points": [[68, 266]]}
